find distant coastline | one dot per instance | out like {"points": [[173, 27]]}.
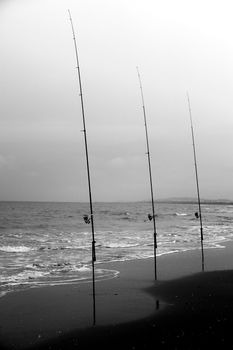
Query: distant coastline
{"points": [[193, 201], [173, 200]]}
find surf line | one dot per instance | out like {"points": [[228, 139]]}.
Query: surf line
{"points": [[91, 220], [151, 217], [197, 184]]}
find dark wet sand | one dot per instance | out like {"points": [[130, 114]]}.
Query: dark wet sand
{"points": [[184, 309]]}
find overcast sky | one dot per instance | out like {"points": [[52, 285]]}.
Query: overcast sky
{"points": [[179, 46]]}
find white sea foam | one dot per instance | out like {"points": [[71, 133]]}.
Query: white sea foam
{"points": [[82, 269], [121, 245], [32, 280], [15, 249], [22, 276]]}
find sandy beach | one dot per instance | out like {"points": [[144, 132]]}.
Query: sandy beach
{"points": [[184, 309]]}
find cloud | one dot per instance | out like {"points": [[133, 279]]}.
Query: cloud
{"points": [[42, 148]]}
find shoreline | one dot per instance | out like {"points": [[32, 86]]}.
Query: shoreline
{"points": [[51, 316]]}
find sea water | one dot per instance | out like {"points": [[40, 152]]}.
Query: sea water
{"points": [[45, 244]]}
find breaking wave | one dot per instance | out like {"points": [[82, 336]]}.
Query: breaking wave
{"points": [[15, 249]]}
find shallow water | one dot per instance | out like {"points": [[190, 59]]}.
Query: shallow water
{"points": [[49, 243]]}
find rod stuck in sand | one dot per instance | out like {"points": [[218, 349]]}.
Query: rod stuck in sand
{"points": [[197, 183], [151, 217], [91, 220]]}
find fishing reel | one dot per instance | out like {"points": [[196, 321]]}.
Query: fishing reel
{"points": [[86, 219]]}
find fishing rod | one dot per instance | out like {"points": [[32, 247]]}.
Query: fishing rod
{"points": [[150, 175], [86, 218], [197, 182]]}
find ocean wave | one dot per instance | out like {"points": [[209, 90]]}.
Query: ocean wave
{"points": [[120, 213], [32, 279], [46, 266], [52, 248], [225, 210], [15, 249], [67, 247], [126, 218], [23, 276], [55, 269], [121, 245]]}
